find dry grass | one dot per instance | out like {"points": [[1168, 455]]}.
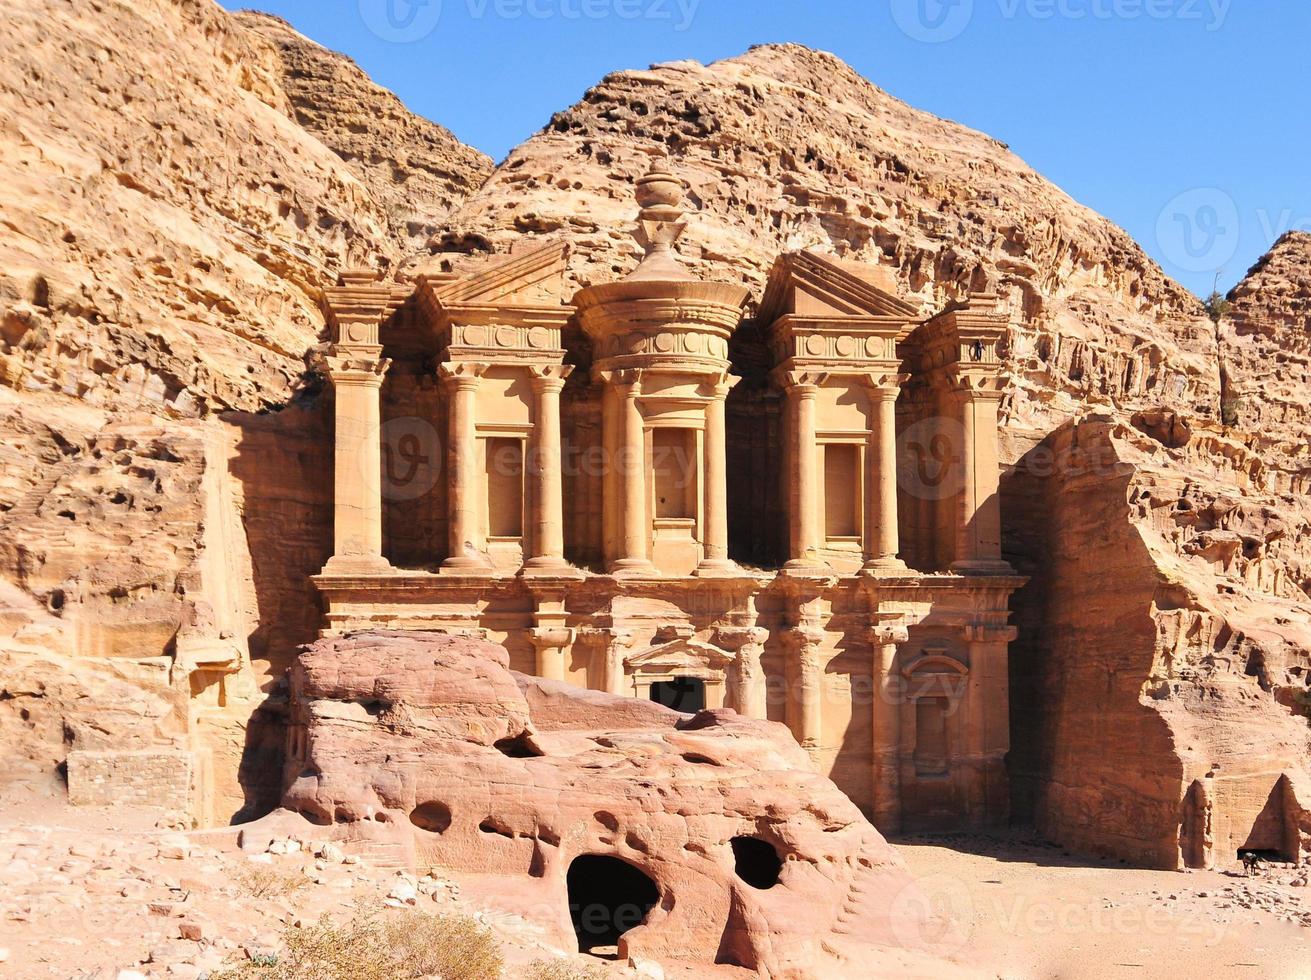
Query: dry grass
{"points": [[262, 881], [403, 945], [561, 970]]}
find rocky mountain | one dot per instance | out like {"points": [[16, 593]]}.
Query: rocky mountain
{"points": [[786, 148], [171, 211], [180, 182], [414, 168], [1192, 532]]}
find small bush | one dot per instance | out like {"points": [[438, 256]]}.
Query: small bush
{"points": [[403, 945], [262, 881], [561, 970]]}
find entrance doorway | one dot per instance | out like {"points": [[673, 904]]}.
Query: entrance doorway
{"points": [[607, 897], [685, 694]]}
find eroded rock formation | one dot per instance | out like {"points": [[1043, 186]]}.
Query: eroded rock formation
{"points": [[178, 184], [170, 216], [425, 749]]}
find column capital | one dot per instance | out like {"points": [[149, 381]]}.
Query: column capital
{"points": [[552, 637], [719, 387], [360, 368], [804, 384], [805, 641], [549, 377], [888, 634], [736, 638], [462, 374], [628, 378], [885, 386], [990, 633], [971, 384]]}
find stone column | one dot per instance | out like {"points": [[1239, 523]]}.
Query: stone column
{"points": [[357, 472], [635, 527], [888, 697], [547, 543], [715, 560], [988, 721], [615, 679], [978, 518], [882, 541], [468, 552], [802, 391], [552, 645], [748, 694], [806, 690]]}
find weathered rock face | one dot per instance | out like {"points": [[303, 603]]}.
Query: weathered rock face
{"points": [[178, 184], [414, 168], [170, 218], [786, 148], [1179, 736], [427, 749]]}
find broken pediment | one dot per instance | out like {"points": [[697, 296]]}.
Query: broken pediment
{"points": [[530, 277], [680, 656], [807, 284]]}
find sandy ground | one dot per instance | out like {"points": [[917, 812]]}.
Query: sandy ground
{"points": [[1023, 910], [87, 893]]}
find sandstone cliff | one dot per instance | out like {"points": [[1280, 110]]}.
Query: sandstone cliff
{"points": [[785, 148], [179, 182], [171, 211]]}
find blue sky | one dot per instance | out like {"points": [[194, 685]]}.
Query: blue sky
{"points": [[1184, 121]]}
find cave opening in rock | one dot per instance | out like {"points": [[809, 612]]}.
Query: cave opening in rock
{"points": [[685, 694], [756, 862], [432, 816], [518, 747], [607, 897]]}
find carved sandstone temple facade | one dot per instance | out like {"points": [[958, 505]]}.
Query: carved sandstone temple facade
{"points": [[642, 489]]}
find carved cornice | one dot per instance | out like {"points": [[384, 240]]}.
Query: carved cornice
{"points": [[499, 282]]}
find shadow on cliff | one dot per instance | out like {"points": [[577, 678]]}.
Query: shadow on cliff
{"points": [[284, 471], [1090, 764]]}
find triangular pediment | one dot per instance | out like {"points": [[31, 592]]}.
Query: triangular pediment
{"points": [[680, 654], [808, 284], [532, 277]]}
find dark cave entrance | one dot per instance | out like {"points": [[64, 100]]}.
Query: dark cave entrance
{"points": [[756, 862], [685, 694], [607, 897]]}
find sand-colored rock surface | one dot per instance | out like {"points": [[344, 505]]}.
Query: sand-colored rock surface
{"points": [[170, 216], [179, 183], [787, 148], [424, 749]]}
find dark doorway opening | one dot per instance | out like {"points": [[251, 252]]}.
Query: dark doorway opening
{"points": [[686, 694], [756, 862], [607, 897]]}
